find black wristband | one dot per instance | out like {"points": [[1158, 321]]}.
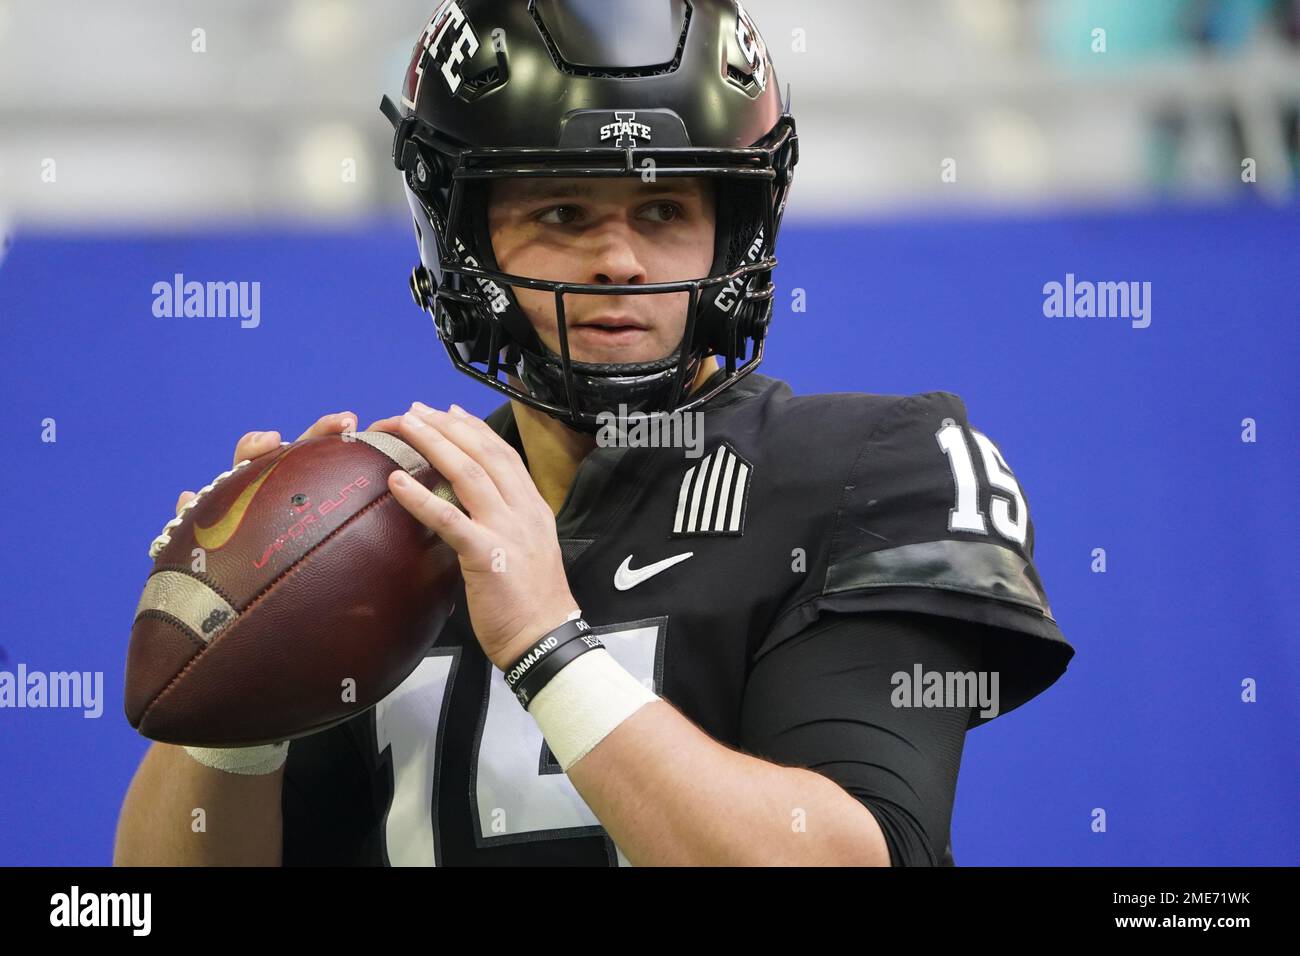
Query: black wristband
{"points": [[549, 666], [545, 645], [534, 670]]}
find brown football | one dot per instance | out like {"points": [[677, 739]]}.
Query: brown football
{"points": [[293, 593]]}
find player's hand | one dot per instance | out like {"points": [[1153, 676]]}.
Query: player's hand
{"points": [[259, 443], [516, 588]]}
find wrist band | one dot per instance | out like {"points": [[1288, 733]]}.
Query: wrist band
{"points": [[252, 761], [584, 702], [545, 669], [520, 676]]}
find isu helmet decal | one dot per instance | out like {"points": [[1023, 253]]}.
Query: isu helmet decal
{"points": [[445, 44], [625, 128]]}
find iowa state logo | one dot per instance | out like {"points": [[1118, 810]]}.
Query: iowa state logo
{"points": [[626, 128]]}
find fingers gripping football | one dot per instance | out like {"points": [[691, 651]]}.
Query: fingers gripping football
{"points": [[515, 582], [473, 487]]}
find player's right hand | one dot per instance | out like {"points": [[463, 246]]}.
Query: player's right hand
{"points": [[259, 443]]}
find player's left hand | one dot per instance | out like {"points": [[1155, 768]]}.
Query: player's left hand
{"points": [[516, 588]]}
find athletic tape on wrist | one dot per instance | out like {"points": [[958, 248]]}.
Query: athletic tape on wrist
{"points": [[584, 702], [251, 761]]}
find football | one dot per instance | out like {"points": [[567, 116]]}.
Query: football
{"points": [[292, 593]]}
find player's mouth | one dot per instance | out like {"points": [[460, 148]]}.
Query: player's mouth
{"points": [[611, 330]]}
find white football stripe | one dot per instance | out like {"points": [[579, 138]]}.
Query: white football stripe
{"points": [[188, 601]]}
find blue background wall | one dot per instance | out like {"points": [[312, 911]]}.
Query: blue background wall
{"points": [[1124, 439]]}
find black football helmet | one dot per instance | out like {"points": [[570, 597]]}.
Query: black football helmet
{"points": [[592, 88]]}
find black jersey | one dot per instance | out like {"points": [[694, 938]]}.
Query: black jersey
{"points": [[692, 565]]}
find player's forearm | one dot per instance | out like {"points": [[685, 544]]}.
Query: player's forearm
{"points": [[177, 812], [668, 794]]}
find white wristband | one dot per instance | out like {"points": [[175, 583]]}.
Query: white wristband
{"points": [[584, 702], [252, 761]]}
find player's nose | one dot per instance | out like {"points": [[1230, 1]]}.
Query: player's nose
{"points": [[614, 260]]}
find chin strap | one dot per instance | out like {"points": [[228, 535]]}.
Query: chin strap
{"points": [[603, 387]]}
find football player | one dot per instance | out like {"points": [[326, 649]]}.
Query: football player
{"points": [[740, 645]]}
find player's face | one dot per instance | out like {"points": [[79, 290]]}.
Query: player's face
{"points": [[605, 231]]}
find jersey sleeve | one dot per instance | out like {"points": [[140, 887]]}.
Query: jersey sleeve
{"points": [[823, 700], [931, 519]]}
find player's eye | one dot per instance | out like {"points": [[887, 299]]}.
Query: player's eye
{"points": [[559, 215], [663, 211]]}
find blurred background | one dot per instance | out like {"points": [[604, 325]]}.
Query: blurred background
{"points": [[1037, 108], [957, 157]]}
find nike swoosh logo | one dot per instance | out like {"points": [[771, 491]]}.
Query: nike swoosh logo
{"points": [[215, 535], [626, 577]]}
